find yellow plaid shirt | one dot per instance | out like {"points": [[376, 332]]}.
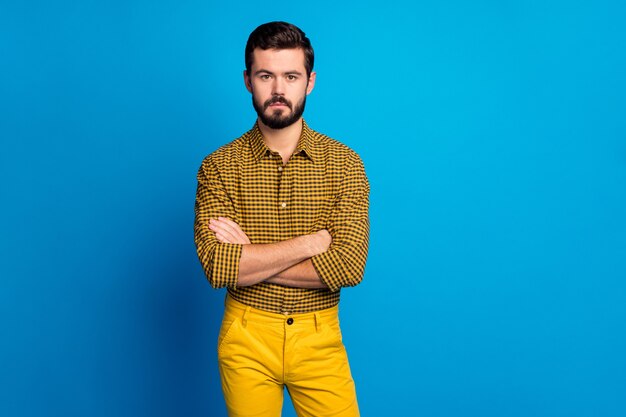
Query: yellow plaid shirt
{"points": [[323, 186]]}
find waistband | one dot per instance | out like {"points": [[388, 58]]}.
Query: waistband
{"points": [[247, 313]]}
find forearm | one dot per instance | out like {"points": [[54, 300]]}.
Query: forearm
{"points": [[259, 262], [301, 275]]}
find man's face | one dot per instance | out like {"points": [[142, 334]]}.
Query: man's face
{"points": [[279, 86]]}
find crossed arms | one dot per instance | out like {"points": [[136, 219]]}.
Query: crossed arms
{"points": [[329, 258], [286, 263]]}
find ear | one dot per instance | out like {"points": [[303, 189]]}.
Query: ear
{"points": [[311, 83], [246, 80]]}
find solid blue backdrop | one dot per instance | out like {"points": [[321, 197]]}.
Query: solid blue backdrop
{"points": [[494, 138]]}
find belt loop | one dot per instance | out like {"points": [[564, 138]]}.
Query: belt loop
{"points": [[318, 322], [244, 318]]}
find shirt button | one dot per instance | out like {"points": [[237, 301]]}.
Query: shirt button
{"points": [[290, 321], [280, 169], [283, 205]]}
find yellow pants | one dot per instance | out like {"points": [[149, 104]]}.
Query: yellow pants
{"points": [[259, 353]]}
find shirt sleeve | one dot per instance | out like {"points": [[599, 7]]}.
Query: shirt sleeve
{"points": [[343, 264], [220, 261]]}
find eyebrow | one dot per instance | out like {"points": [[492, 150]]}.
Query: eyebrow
{"points": [[264, 71]]}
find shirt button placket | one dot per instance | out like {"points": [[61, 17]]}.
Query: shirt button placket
{"points": [[283, 197]]}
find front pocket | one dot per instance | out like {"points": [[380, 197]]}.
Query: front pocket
{"points": [[313, 212], [226, 332], [336, 329]]}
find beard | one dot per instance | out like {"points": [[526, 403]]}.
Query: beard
{"points": [[276, 120]]}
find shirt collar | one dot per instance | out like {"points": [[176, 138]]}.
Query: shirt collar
{"points": [[260, 149], [306, 142]]}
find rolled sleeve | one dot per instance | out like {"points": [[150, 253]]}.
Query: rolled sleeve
{"points": [[343, 264], [220, 261]]}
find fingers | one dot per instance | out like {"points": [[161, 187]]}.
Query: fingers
{"points": [[319, 241], [235, 230], [232, 227], [223, 232], [223, 238], [227, 231], [325, 233]]}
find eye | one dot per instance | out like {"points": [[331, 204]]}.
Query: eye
{"points": [[264, 76], [292, 77]]}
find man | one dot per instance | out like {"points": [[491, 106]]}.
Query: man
{"points": [[282, 223]]}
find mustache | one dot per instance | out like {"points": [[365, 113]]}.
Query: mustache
{"points": [[277, 99]]}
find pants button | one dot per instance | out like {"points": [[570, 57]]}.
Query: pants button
{"points": [[290, 321]]}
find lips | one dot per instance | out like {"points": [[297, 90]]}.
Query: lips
{"points": [[277, 102]]}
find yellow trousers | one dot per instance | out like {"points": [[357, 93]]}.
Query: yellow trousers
{"points": [[260, 353]]}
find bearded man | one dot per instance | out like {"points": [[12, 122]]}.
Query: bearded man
{"points": [[282, 223]]}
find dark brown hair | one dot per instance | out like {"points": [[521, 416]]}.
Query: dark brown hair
{"points": [[279, 35]]}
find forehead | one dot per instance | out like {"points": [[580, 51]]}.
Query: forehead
{"points": [[278, 60]]}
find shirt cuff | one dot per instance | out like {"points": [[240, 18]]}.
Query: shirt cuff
{"points": [[226, 265], [328, 267]]}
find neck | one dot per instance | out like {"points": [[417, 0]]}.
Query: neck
{"points": [[284, 141]]}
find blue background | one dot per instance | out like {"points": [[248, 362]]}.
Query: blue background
{"points": [[494, 137]]}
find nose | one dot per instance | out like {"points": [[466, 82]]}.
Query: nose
{"points": [[278, 87]]}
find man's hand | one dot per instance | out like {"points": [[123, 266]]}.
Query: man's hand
{"points": [[320, 242], [227, 231]]}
